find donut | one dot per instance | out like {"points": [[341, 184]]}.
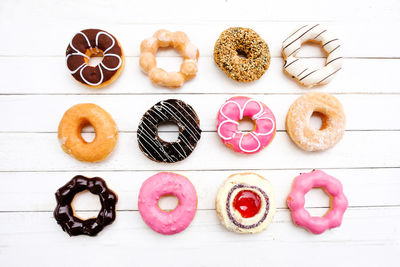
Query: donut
{"points": [[333, 121], [69, 132], [229, 115], [89, 43], [245, 203], [332, 186], [64, 213], [296, 67], [178, 40], [242, 54], [164, 184], [175, 111]]}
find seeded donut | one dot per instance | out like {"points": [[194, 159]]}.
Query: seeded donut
{"points": [[242, 54], [245, 203], [175, 111]]}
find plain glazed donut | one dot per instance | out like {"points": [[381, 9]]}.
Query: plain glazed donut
{"points": [[69, 132], [333, 121], [237, 41], [245, 203], [175, 111], [332, 186], [65, 214], [232, 111], [297, 69], [164, 184], [177, 40], [94, 42]]}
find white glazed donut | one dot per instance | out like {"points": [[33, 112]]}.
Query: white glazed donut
{"points": [[296, 68], [245, 203]]}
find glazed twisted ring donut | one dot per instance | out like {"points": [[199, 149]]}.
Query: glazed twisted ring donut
{"points": [[177, 40], [296, 68]]}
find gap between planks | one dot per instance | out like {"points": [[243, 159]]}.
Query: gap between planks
{"points": [[358, 207]]}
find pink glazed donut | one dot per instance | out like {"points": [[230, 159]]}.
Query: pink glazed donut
{"points": [[235, 109], [164, 184], [304, 183]]}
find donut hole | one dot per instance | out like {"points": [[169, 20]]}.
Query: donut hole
{"points": [[241, 53], [319, 196], [246, 125], [318, 120], [86, 205], [312, 54], [168, 203], [168, 131], [169, 59], [95, 57], [87, 132]]}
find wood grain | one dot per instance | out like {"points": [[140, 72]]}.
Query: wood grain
{"points": [[36, 89]]}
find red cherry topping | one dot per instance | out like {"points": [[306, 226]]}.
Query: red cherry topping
{"points": [[247, 203]]}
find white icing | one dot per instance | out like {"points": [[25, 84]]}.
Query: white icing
{"points": [[101, 65], [295, 66], [255, 117], [150, 41], [246, 179], [63, 140], [191, 51], [163, 37]]}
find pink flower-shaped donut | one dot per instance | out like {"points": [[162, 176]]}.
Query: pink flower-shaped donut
{"points": [[304, 183], [164, 184], [235, 109]]}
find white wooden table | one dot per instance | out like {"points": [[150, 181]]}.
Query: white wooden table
{"points": [[36, 89]]}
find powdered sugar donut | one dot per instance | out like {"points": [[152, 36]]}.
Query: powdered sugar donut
{"points": [[162, 184], [304, 183], [296, 67], [234, 110], [246, 203], [333, 121]]}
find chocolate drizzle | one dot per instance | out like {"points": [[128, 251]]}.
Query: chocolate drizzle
{"points": [[93, 42], [228, 204], [64, 213], [175, 111]]}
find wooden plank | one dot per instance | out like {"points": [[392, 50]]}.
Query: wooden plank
{"points": [[50, 76], [359, 39], [374, 231], [207, 10], [362, 112], [35, 190], [42, 152]]}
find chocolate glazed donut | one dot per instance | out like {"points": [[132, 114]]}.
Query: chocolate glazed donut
{"points": [[94, 42], [175, 111], [65, 215]]}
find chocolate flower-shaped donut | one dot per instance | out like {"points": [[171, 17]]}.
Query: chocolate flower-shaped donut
{"points": [[65, 214]]}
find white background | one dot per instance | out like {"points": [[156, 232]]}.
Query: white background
{"points": [[36, 89]]}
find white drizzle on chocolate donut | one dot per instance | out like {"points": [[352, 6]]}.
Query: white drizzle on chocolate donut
{"points": [[94, 49], [171, 110]]}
